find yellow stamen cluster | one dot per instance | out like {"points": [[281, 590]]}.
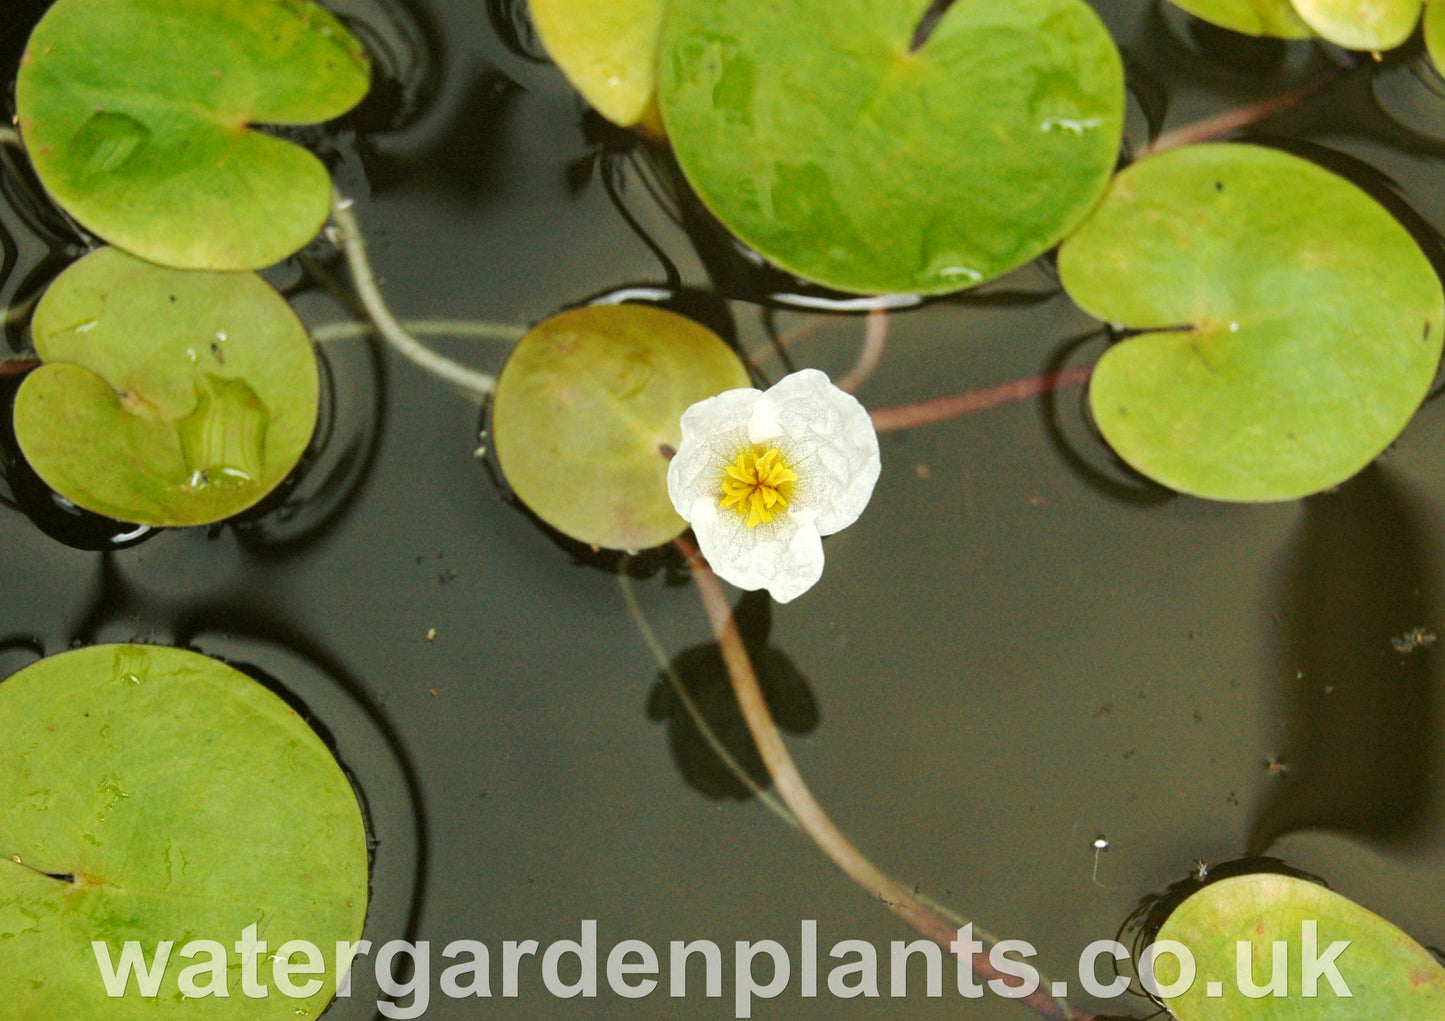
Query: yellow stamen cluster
{"points": [[756, 485]]}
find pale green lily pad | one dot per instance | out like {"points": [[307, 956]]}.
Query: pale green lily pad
{"points": [[1387, 973], [1299, 323], [1435, 33], [1251, 17], [135, 114], [1361, 24], [167, 397], [608, 51], [818, 136], [157, 794], [588, 409]]}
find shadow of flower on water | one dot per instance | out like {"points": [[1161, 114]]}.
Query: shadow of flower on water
{"points": [[1359, 679], [704, 678]]}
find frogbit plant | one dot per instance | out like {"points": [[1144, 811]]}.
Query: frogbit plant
{"points": [[150, 144], [762, 476], [1367, 25]]}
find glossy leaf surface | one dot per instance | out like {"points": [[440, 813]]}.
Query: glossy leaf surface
{"points": [[1291, 325], [855, 147], [587, 409], [167, 397], [157, 794], [1384, 971], [137, 117]]}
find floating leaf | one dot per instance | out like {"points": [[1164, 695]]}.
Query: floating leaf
{"points": [[1295, 325], [588, 409], [608, 51], [135, 114], [822, 136], [1388, 974], [156, 794], [1361, 24], [1435, 33], [1251, 17], [167, 397]]}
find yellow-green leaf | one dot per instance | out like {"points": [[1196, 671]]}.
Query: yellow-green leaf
{"points": [[587, 409], [1250, 17], [1384, 973], [1361, 24], [157, 794], [1291, 325], [136, 115], [166, 397], [608, 51]]}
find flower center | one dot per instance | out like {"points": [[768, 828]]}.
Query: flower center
{"points": [[757, 484]]}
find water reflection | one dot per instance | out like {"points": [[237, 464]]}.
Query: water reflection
{"points": [[704, 678], [1077, 442], [513, 25], [461, 162], [406, 50], [332, 474], [1410, 92], [1261, 54], [1180, 39], [609, 161], [37, 241], [1358, 671]]}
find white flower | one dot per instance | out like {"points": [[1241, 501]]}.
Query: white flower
{"points": [[761, 477]]}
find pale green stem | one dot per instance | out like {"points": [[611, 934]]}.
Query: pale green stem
{"points": [[875, 334], [679, 689], [348, 236], [423, 328], [9, 136]]}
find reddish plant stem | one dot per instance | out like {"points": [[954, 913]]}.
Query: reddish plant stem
{"points": [[1227, 123], [17, 365], [941, 409], [810, 815]]}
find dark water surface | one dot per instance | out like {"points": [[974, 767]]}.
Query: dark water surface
{"points": [[1019, 648]]}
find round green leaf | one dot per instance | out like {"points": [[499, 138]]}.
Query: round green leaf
{"points": [[818, 134], [1435, 33], [1251, 17], [1387, 974], [588, 408], [156, 794], [1295, 324], [1361, 24], [135, 114], [167, 397], [608, 51]]}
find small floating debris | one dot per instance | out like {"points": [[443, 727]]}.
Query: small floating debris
{"points": [[1415, 638]]}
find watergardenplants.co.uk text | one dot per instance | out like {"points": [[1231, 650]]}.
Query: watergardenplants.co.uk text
{"points": [[633, 969]]}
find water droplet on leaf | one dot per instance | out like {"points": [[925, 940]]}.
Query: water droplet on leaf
{"points": [[107, 141], [223, 441]]}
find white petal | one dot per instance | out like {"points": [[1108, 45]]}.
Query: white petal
{"points": [[827, 438], [713, 432], [784, 556]]}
